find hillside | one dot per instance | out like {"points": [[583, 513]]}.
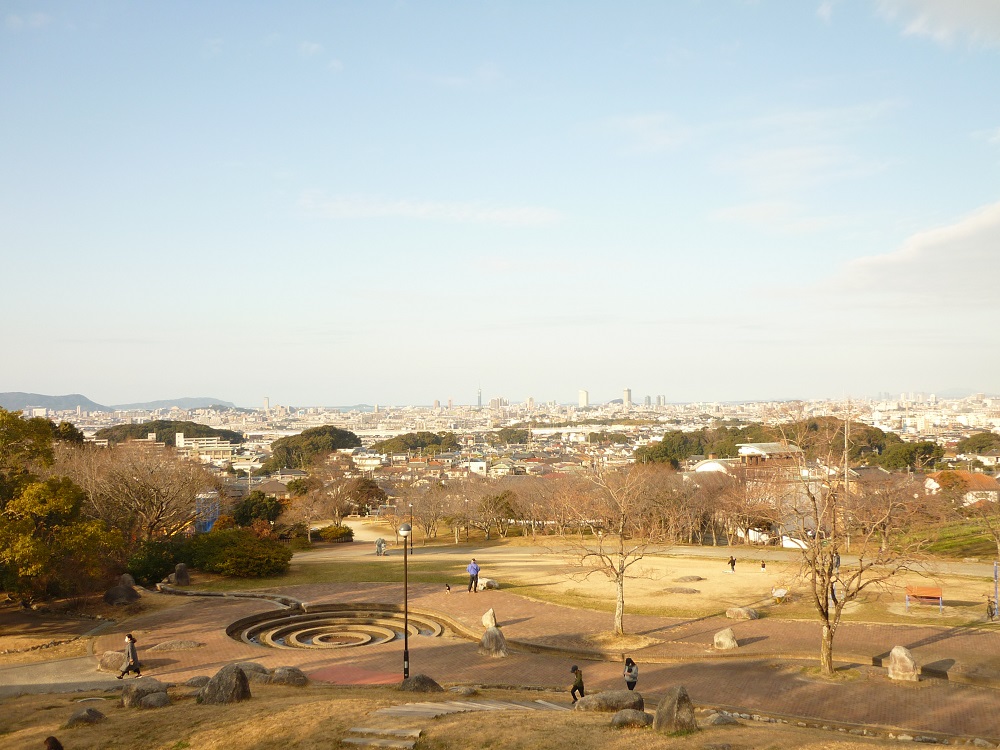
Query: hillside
{"points": [[17, 401], [165, 430]]}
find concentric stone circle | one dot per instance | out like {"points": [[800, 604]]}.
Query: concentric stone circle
{"points": [[332, 627]]}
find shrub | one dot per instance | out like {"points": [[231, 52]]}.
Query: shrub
{"points": [[337, 534], [236, 552], [152, 562]]}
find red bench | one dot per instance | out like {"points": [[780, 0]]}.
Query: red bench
{"points": [[925, 595]]}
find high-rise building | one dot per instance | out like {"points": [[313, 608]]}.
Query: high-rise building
{"points": [[267, 405], [584, 399], [530, 402], [479, 402], [437, 404], [648, 401], [627, 398]]}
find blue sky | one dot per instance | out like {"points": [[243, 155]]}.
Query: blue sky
{"points": [[396, 202]]}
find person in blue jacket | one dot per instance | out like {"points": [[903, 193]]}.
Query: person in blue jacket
{"points": [[473, 571]]}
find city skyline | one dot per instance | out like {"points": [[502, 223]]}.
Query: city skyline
{"points": [[396, 203]]}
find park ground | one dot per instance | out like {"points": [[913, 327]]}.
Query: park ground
{"points": [[555, 618]]}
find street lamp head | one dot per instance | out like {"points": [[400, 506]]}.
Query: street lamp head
{"points": [[404, 530]]}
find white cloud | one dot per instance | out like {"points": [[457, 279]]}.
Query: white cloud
{"points": [[485, 75], [335, 65], [650, 133], [944, 21], [17, 22], [309, 49], [362, 207], [957, 264], [825, 10]]}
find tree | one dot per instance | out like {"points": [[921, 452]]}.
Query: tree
{"points": [[144, 491], [981, 442], [308, 447], [25, 446], [165, 431], [818, 504], [256, 506], [623, 518]]}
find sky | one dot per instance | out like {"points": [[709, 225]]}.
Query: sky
{"points": [[397, 202]]}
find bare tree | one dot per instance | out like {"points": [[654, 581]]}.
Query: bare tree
{"points": [[826, 512], [623, 518]]}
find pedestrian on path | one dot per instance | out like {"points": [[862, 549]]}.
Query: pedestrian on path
{"points": [[577, 683], [631, 673], [732, 564], [763, 567], [131, 658], [473, 571]]}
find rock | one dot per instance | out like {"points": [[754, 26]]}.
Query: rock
{"points": [[902, 666], [610, 700], [420, 683], [170, 580], [154, 700], [255, 672], [135, 690], [493, 644], [725, 640], [198, 681], [85, 716], [742, 613], [181, 575], [681, 590], [116, 596], [675, 712], [721, 720], [629, 717], [228, 685], [467, 690], [292, 676], [487, 583], [688, 579], [126, 579], [176, 645], [111, 661], [490, 618]]}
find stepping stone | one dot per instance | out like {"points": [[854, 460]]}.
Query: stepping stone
{"points": [[411, 733], [379, 742]]}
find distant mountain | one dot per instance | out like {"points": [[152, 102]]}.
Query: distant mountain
{"points": [[180, 403], [15, 401]]}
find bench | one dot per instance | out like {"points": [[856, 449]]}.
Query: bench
{"points": [[925, 595]]}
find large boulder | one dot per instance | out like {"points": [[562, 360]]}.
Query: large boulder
{"points": [[902, 665], [725, 640], [154, 700], [135, 690], [126, 579], [493, 643], [255, 672], [675, 712], [228, 685], [289, 676], [487, 583], [742, 613], [490, 618], [629, 717], [181, 575], [198, 681], [111, 661], [85, 716], [610, 701], [117, 596], [721, 720], [420, 683]]}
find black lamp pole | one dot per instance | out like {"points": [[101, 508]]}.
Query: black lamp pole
{"points": [[405, 531], [411, 527]]}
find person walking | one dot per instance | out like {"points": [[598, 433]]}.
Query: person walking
{"points": [[577, 683], [732, 564], [631, 673], [473, 571], [131, 658]]}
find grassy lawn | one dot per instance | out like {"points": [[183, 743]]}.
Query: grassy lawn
{"points": [[961, 539]]}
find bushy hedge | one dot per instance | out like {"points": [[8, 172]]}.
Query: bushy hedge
{"points": [[153, 561], [337, 534], [236, 552]]}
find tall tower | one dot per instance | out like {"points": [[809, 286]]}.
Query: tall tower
{"points": [[479, 402], [267, 405], [627, 398], [584, 399]]}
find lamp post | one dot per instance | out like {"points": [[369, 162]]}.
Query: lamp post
{"points": [[411, 526], [466, 520], [404, 531]]}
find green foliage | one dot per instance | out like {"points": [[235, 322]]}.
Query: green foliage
{"points": [[419, 442], [337, 534], [617, 438], [152, 561], [24, 445], [66, 432], [166, 431], [235, 552], [898, 456], [299, 451], [981, 442], [256, 506], [511, 435]]}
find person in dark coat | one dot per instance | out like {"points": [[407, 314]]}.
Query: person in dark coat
{"points": [[577, 683], [631, 673], [131, 658]]}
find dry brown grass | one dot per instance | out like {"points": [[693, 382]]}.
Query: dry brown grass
{"points": [[278, 718]]}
